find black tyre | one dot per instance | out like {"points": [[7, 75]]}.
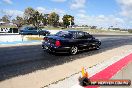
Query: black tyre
{"points": [[99, 43], [97, 47]]}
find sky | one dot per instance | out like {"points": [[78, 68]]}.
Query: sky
{"points": [[101, 13]]}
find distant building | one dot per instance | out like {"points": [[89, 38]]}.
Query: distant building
{"points": [[2, 23], [8, 27]]}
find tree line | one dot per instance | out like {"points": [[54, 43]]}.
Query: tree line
{"points": [[37, 19]]}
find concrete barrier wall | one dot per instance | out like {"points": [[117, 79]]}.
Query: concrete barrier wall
{"points": [[8, 30]]}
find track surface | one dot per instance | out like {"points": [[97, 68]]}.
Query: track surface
{"points": [[15, 61]]}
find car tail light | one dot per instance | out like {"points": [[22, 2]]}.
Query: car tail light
{"points": [[57, 43], [45, 39]]}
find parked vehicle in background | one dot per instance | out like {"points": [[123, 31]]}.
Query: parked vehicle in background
{"points": [[44, 32], [33, 31], [70, 41]]}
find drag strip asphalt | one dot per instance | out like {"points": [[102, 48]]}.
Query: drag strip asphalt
{"points": [[22, 60]]}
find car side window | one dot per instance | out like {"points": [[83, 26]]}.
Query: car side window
{"points": [[26, 28], [34, 28], [87, 35], [74, 35], [80, 35], [64, 34], [30, 28]]}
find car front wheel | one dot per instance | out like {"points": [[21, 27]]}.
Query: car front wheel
{"points": [[74, 50]]}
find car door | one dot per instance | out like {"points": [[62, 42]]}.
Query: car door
{"points": [[81, 41], [89, 38], [33, 30], [30, 30]]}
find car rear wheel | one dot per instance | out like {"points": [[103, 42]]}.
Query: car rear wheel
{"points": [[97, 47], [74, 50]]}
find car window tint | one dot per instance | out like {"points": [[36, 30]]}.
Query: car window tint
{"points": [[34, 28], [80, 35], [74, 34], [64, 34], [26, 28], [87, 35], [31, 28]]}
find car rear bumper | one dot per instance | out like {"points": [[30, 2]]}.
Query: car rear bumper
{"points": [[54, 49]]}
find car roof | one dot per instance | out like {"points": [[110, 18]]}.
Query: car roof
{"points": [[72, 30]]}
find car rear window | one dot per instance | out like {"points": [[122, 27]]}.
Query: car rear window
{"points": [[64, 34], [27, 28]]}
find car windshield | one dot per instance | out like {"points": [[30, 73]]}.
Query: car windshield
{"points": [[64, 34]]}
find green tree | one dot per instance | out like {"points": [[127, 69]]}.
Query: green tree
{"points": [[67, 19], [5, 18], [29, 12], [19, 21], [37, 19], [45, 19], [28, 15], [33, 17], [53, 19]]}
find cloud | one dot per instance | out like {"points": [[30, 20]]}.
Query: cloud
{"points": [[126, 8], [77, 4], [47, 11], [8, 1], [82, 11], [12, 12], [100, 20], [41, 9], [58, 0], [44, 10]]}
